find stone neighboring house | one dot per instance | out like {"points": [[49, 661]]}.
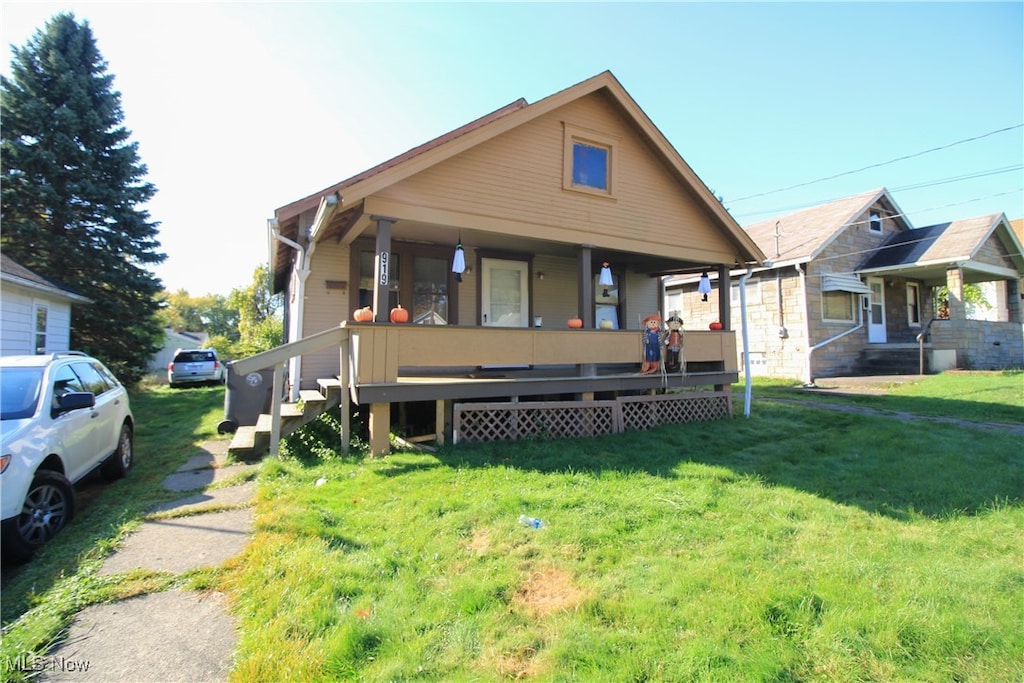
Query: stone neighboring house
{"points": [[851, 285], [35, 313]]}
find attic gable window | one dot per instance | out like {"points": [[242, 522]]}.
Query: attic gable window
{"points": [[875, 223], [588, 161]]}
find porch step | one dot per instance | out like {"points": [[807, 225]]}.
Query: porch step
{"points": [[250, 442], [891, 359]]}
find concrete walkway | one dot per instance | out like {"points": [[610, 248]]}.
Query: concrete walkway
{"points": [[174, 635]]}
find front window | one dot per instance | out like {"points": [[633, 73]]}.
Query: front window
{"points": [[590, 166], [913, 305], [41, 315], [753, 292], [837, 306], [588, 161], [19, 392]]}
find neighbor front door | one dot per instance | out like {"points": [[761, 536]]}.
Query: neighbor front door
{"points": [[876, 311]]}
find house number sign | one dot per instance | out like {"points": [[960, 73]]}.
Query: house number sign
{"points": [[384, 268]]}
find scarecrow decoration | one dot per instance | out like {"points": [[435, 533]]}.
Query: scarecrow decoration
{"points": [[674, 344], [651, 341]]}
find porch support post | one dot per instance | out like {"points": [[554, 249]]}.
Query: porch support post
{"points": [[275, 408], [586, 300], [443, 420], [345, 402], [380, 428], [724, 304], [955, 285], [586, 288], [1013, 303], [382, 269]]}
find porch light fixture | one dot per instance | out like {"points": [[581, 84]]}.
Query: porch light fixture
{"points": [[459, 262], [704, 287], [606, 279]]}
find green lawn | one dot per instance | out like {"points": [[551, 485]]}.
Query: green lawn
{"points": [[797, 544], [975, 396]]}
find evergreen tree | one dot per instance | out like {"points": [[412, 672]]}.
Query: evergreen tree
{"points": [[72, 186]]}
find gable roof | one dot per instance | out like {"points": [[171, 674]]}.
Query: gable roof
{"points": [[346, 197], [803, 235], [12, 272], [932, 249]]}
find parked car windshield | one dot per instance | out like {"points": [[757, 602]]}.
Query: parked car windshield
{"points": [[19, 392]]}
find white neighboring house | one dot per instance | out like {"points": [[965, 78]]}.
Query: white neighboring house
{"points": [[172, 342], [35, 313]]}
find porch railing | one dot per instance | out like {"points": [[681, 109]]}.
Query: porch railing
{"points": [[374, 353]]}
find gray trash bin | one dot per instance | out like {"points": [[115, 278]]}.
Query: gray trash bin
{"points": [[245, 398]]}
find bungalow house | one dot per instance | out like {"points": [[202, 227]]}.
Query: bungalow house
{"points": [[499, 239], [853, 288], [35, 314]]}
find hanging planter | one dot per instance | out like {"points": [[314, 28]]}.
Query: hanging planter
{"points": [[575, 323], [399, 314], [363, 315], [715, 326]]}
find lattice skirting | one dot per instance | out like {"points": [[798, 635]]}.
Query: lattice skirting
{"points": [[476, 422]]}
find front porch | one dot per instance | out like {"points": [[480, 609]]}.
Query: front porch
{"points": [[382, 364]]}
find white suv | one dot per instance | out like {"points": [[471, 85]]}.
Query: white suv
{"points": [[62, 416]]}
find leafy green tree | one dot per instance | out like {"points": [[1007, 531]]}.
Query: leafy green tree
{"points": [[260, 325], [72, 187], [210, 313], [974, 299]]}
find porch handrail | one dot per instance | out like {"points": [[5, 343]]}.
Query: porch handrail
{"points": [[281, 354], [921, 336], [278, 356]]}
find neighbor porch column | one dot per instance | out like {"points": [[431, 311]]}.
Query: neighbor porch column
{"points": [[1013, 303], [724, 298], [955, 285], [382, 270]]}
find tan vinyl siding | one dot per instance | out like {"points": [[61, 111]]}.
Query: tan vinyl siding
{"points": [[468, 314], [326, 308], [641, 300], [554, 297], [517, 176]]}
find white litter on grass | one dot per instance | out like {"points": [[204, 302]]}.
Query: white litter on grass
{"points": [[321, 481]]}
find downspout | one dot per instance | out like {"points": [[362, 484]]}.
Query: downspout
{"points": [[326, 210], [807, 325], [302, 273]]}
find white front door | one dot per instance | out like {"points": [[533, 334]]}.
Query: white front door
{"points": [[504, 293], [876, 311]]}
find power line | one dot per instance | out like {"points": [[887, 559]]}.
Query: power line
{"points": [[884, 163]]}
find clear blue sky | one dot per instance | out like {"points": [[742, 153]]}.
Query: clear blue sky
{"points": [[241, 108]]}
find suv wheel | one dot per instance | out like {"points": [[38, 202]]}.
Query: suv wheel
{"points": [[48, 507], [121, 460]]}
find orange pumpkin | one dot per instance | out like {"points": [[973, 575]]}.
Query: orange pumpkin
{"points": [[399, 314], [575, 323], [715, 326], [363, 315]]}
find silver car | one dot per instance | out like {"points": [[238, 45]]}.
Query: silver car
{"points": [[62, 416], [194, 366]]}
